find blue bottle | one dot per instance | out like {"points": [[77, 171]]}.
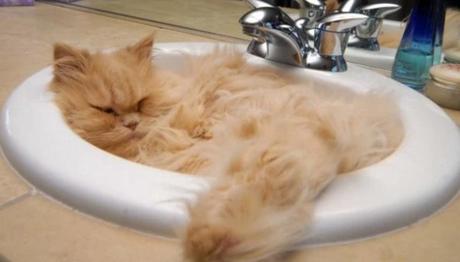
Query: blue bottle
{"points": [[416, 50], [439, 32]]}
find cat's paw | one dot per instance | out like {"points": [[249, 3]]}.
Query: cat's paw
{"points": [[206, 243]]}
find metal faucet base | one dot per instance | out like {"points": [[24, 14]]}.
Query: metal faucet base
{"points": [[371, 44]]}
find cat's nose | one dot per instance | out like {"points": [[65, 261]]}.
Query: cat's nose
{"points": [[130, 121]]}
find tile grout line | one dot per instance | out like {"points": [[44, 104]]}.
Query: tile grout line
{"points": [[17, 199]]}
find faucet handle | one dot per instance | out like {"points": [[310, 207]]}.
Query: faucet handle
{"points": [[271, 17], [312, 2], [312, 10], [259, 3], [379, 10], [349, 6], [341, 22]]}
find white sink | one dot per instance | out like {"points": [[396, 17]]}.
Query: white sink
{"points": [[414, 182]]}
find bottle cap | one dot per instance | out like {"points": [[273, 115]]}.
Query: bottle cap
{"points": [[448, 74]]}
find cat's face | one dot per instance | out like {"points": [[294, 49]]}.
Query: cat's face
{"points": [[106, 97]]}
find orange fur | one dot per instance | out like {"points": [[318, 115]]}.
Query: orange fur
{"points": [[271, 144]]}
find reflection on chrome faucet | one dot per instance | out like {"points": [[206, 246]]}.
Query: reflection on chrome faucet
{"points": [[365, 35], [316, 40]]}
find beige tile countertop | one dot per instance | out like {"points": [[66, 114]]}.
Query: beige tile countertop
{"points": [[35, 228]]}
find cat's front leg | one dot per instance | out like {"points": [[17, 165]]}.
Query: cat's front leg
{"points": [[189, 116]]}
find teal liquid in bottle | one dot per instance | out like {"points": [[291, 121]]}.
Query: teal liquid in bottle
{"points": [[416, 52], [411, 67]]}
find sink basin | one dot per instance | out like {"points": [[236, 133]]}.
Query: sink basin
{"points": [[419, 178], [384, 58]]}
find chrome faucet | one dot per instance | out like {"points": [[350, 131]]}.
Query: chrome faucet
{"points": [[314, 41], [365, 35], [312, 10]]}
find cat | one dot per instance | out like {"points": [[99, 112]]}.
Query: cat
{"points": [[270, 143]]}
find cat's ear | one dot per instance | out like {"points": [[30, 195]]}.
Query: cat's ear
{"points": [[69, 60], [143, 49]]}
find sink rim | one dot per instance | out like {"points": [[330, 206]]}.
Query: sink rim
{"points": [[154, 203]]}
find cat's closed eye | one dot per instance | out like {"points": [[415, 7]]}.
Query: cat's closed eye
{"points": [[107, 110], [110, 111]]}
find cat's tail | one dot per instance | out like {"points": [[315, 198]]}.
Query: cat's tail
{"points": [[233, 223], [259, 208]]}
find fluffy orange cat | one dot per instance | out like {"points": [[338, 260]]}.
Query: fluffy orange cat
{"points": [[269, 143]]}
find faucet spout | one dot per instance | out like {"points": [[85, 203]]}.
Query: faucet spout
{"points": [[330, 37], [277, 46], [274, 35]]}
